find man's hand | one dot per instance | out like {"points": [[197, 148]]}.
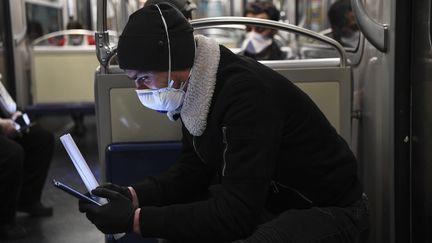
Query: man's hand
{"points": [[16, 115], [114, 217], [128, 192], [120, 189]]}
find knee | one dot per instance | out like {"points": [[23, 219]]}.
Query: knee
{"points": [[48, 139], [42, 137], [13, 157], [45, 137]]}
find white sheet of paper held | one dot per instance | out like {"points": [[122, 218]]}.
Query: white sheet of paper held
{"points": [[82, 168], [79, 162]]}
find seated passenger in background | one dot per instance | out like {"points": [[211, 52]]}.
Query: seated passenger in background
{"points": [[77, 40], [259, 42], [343, 24], [72, 40], [25, 157], [259, 160]]}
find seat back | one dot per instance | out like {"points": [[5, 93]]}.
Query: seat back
{"points": [[122, 119], [63, 74], [328, 85], [128, 163]]}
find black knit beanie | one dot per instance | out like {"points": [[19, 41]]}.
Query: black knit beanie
{"points": [[185, 6], [143, 44]]}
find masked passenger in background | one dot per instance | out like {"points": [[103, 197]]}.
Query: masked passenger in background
{"points": [[259, 42], [343, 23]]}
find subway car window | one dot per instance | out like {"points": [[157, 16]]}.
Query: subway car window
{"points": [[83, 12], [331, 18], [48, 25], [213, 8], [43, 19]]}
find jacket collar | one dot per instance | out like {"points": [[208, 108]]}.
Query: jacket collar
{"points": [[201, 85]]}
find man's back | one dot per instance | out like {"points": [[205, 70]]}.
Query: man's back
{"points": [[313, 161]]}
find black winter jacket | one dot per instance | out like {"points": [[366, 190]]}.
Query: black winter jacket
{"points": [[266, 146]]}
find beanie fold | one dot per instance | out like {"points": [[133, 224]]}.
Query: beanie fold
{"points": [[143, 44]]}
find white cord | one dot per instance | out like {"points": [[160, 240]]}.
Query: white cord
{"points": [[169, 45]]}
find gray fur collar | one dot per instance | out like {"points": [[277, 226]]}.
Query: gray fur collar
{"points": [[201, 85]]}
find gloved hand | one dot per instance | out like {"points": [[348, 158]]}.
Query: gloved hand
{"points": [[120, 189], [114, 217], [125, 191]]}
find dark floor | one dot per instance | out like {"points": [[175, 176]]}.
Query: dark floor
{"points": [[67, 225]]}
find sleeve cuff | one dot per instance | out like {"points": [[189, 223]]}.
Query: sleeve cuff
{"points": [[147, 192], [151, 221]]}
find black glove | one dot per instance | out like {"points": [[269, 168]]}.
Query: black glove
{"points": [[114, 217], [120, 189]]}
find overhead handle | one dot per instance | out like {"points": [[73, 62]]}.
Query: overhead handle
{"points": [[375, 33]]}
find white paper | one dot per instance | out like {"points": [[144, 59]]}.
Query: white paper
{"points": [[83, 169], [79, 162]]}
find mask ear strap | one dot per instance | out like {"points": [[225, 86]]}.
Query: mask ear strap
{"points": [[168, 42]]}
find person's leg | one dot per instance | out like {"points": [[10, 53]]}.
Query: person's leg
{"points": [[323, 225], [38, 145], [11, 166]]}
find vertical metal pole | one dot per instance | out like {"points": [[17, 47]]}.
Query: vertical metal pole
{"points": [[101, 15], [103, 50], [8, 46]]}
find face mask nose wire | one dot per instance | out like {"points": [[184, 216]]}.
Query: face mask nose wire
{"points": [[169, 45]]}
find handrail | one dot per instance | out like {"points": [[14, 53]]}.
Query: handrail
{"points": [[375, 33], [214, 21]]}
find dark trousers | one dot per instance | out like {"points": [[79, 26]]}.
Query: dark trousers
{"points": [[24, 164], [313, 225], [316, 225]]}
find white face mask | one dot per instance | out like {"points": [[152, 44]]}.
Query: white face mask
{"points": [[167, 99], [163, 100], [255, 43]]}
